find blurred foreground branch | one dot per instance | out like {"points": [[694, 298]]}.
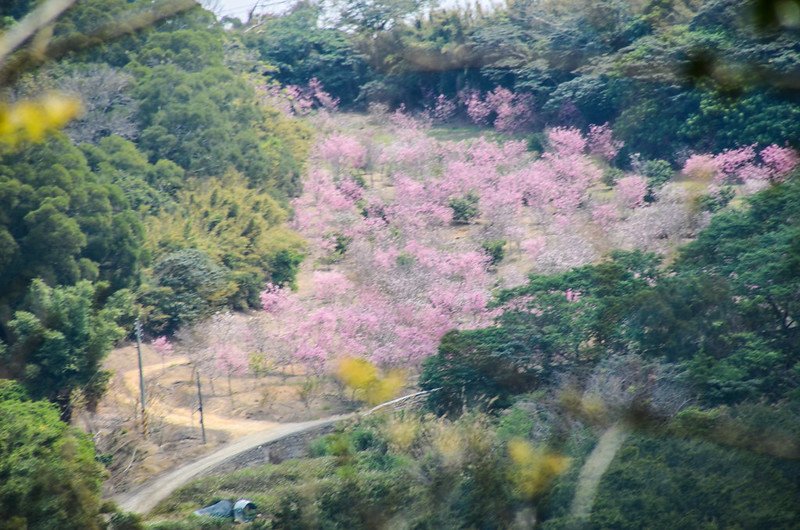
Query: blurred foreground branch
{"points": [[33, 22], [26, 59]]}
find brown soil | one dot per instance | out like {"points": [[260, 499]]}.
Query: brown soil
{"points": [[249, 405]]}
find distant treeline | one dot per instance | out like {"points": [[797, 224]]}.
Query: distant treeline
{"points": [[670, 76]]}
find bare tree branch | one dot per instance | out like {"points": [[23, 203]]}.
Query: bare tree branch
{"points": [[60, 47], [33, 22]]}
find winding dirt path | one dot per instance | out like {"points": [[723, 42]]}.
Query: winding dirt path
{"points": [[593, 470], [145, 498]]}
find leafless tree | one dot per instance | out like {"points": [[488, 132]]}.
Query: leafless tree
{"points": [[628, 385], [107, 103]]}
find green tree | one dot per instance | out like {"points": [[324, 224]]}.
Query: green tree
{"points": [[299, 50], [188, 286], [49, 477], [209, 122], [553, 324], [697, 482], [59, 339], [239, 229], [147, 187], [61, 222]]}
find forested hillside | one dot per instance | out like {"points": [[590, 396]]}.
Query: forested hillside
{"points": [[104, 212], [575, 225], [670, 77]]}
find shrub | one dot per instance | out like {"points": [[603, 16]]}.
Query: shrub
{"points": [[611, 176], [465, 208], [495, 249], [50, 478], [658, 172], [714, 202]]}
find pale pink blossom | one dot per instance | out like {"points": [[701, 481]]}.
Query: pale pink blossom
{"points": [[162, 346], [343, 151], [324, 98], [605, 215], [631, 191], [601, 142], [780, 161]]}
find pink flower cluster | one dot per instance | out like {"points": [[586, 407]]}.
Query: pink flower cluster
{"points": [[743, 165], [343, 152], [442, 110], [396, 279], [162, 346], [300, 100], [563, 175], [602, 143], [363, 321], [508, 111], [631, 191]]}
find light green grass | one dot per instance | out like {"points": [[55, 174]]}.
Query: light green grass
{"points": [[460, 132]]}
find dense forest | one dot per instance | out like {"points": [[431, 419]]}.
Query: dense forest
{"points": [[576, 225]]}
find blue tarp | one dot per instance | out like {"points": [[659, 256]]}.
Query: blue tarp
{"points": [[221, 510], [243, 511]]}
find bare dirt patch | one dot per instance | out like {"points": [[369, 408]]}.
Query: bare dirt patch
{"points": [[233, 409]]}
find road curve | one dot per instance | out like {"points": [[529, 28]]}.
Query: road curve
{"points": [[145, 498]]}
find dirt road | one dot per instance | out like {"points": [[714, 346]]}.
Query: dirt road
{"points": [[145, 498]]}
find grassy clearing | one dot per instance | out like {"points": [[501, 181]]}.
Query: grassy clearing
{"points": [[459, 132], [265, 485]]}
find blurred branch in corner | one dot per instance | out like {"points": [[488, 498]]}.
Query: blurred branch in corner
{"points": [[30, 43]]}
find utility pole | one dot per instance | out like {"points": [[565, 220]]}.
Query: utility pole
{"points": [[200, 407], [138, 327]]}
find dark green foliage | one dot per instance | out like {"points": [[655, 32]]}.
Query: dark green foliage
{"points": [[190, 270], [755, 253], [358, 478], [125, 521], [755, 117], [662, 122], [481, 368], [720, 468], [725, 314], [673, 483], [189, 286], [207, 122], [300, 50], [666, 76], [465, 208], [61, 222], [69, 214], [611, 175], [284, 266], [495, 249], [48, 474], [542, 331], [717, 201], [340, 244], [658, 172], [537, 142], [59, 339], [16, 9], [147, 186]]}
